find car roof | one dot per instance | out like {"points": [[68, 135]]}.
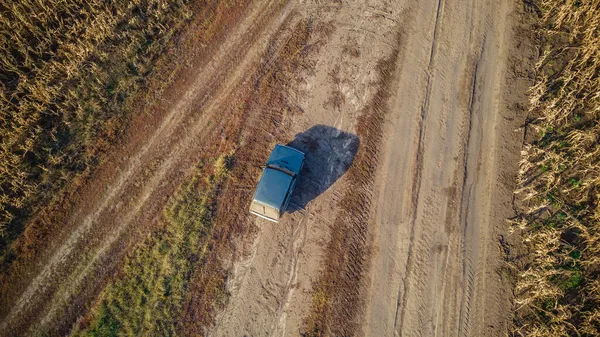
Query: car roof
{"points": [[286, 158], [272, 188]]}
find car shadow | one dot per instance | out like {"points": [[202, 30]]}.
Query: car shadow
{"points": [[329, 152]]}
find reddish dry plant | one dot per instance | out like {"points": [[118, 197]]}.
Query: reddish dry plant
{"points": [[260, 119]]}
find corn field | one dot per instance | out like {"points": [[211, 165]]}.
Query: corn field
{"points": [[558, 290], [69, 71]]}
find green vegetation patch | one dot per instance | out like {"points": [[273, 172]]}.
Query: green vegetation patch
{"points": [[147, 297]]}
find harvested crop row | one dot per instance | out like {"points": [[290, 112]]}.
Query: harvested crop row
{"points": [[558, 289], [337, 294], [69, 74]]}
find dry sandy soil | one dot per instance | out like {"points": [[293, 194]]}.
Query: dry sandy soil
{"points": [[443, 185]]}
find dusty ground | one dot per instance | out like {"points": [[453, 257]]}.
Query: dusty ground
{"points": [[443, 184], [446, 178]]}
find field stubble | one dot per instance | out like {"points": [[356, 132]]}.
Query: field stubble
{"points": [[71, 75], [558, 287], [69, 99]]}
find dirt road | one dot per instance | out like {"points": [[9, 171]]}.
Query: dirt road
{"points": [[444, 184], [441, 192], [446, 177]]}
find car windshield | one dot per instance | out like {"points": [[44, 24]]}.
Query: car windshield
{"points": [[281, 169]]}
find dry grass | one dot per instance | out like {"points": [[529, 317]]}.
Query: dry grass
{"points": [[69, 74], [337, 300], [558, 290]]}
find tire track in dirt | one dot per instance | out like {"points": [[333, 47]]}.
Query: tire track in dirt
{"points": [[478, 226], [432, 221], [400, 311], [339, 291], [180, 148], [298, 243], [288, 242], [351, 225], [467, 291]]}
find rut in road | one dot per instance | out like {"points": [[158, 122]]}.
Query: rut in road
{"points": [[416, 188]]}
